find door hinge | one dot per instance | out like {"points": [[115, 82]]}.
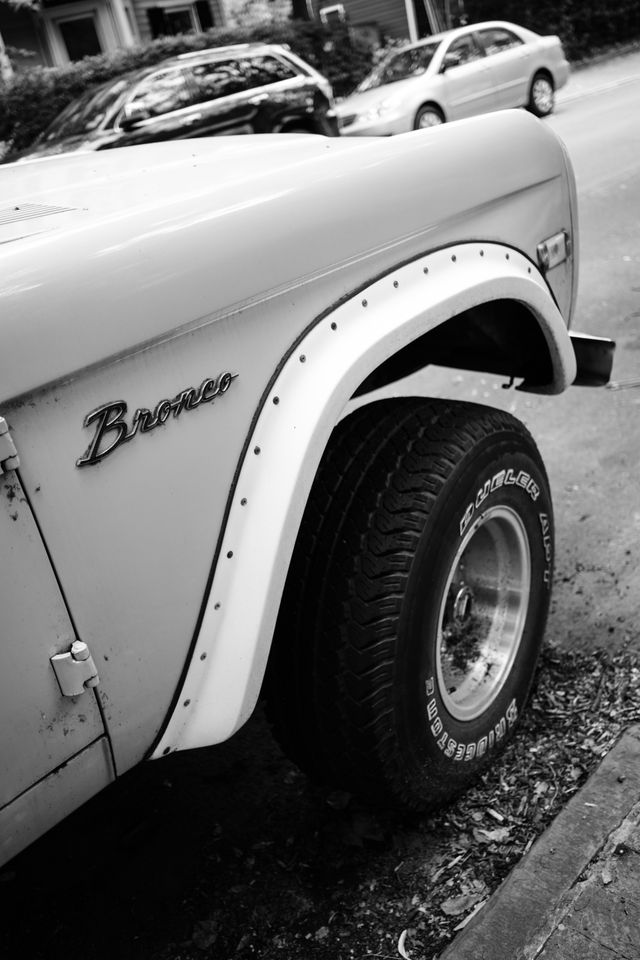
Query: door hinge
{"points": [[9, 459], [75, 671]]}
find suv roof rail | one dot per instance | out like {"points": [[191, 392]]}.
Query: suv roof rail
{"points": [[225, 49]]}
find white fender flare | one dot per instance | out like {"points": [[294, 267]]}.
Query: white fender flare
{"points": [[307, 397]]}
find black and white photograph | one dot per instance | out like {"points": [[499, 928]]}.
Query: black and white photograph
{"points": [[319, 480]]}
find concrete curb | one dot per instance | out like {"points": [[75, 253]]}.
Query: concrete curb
{"points": [[531, 903]]}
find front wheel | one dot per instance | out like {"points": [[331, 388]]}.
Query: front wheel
{"points": [[541, 95], [428, 116], [416, 601]]}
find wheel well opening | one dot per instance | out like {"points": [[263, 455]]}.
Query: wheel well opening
{"points": [[543, 72], [501, 337], [434, 106]]}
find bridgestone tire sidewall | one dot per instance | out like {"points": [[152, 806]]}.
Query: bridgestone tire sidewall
{"points": [[450, 751]]}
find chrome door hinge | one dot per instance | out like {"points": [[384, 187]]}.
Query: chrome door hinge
{"points": [[75, 670], [9, 459]]}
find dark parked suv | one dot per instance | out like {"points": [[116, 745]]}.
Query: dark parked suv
{"points": [[247, 88]]}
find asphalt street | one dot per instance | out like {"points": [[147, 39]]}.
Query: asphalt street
{"points": [[590, 438]]}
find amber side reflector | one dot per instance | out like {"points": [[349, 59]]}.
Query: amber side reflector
{"points": [[554, 250]]}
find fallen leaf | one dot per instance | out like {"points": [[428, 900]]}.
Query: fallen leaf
{"points": [[607, 874], [497, 835], [540, 789], [454, 906], [476, 909], [205, 934], [339, 799], [401, 949]]}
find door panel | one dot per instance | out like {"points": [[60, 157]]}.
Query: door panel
{"points": [[134, 535], [40, 729], [469, 85], [48, 802], [510, 63]]}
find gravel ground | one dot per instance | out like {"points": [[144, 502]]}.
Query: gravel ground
{"points": [[231, 853]]}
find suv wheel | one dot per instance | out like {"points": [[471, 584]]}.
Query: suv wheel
{"points": [[415, 603]]}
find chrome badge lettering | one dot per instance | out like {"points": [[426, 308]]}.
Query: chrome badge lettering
{"points": [[112, 429]]}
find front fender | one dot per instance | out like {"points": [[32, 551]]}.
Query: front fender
{"points": [[305, 399]]}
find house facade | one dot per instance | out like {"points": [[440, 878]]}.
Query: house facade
{"points": [[394, 18], [62, 31]]}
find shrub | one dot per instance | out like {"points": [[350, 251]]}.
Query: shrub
{"points": [[583, 27], [34, 98]]}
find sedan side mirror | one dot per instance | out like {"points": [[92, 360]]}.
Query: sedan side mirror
{"points": [[450, 60]]}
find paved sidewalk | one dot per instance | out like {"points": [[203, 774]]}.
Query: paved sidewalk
{"points": [[576, 894], [601, 74]]}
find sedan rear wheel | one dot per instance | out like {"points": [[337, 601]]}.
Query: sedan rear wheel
{"points": [[542, 96], [428, 116]]}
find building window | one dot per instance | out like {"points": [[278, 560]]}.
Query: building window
{"points": [[167, 21], [77, 30], [80, 37], [333, 15]]}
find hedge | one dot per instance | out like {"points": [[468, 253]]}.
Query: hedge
{"points": [[34, 98], [584, 26]]}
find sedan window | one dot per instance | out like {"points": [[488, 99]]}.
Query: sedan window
{"points": [[496, 40], [400, 66], [465, 49]]}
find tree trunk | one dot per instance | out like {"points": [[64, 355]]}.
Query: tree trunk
{"points": [[6, 70]]}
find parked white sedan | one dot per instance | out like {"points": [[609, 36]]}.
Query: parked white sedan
{"points": [[460, 73]]}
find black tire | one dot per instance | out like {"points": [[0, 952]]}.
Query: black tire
{"points": [[541, 95], [360, 690], [428, 116]]}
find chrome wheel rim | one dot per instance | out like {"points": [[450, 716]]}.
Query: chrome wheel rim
{"points": [[483, 612], [543, 95], [429, 119]]}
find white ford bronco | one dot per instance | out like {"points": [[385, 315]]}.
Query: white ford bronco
{"points": [[230, 468]]}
